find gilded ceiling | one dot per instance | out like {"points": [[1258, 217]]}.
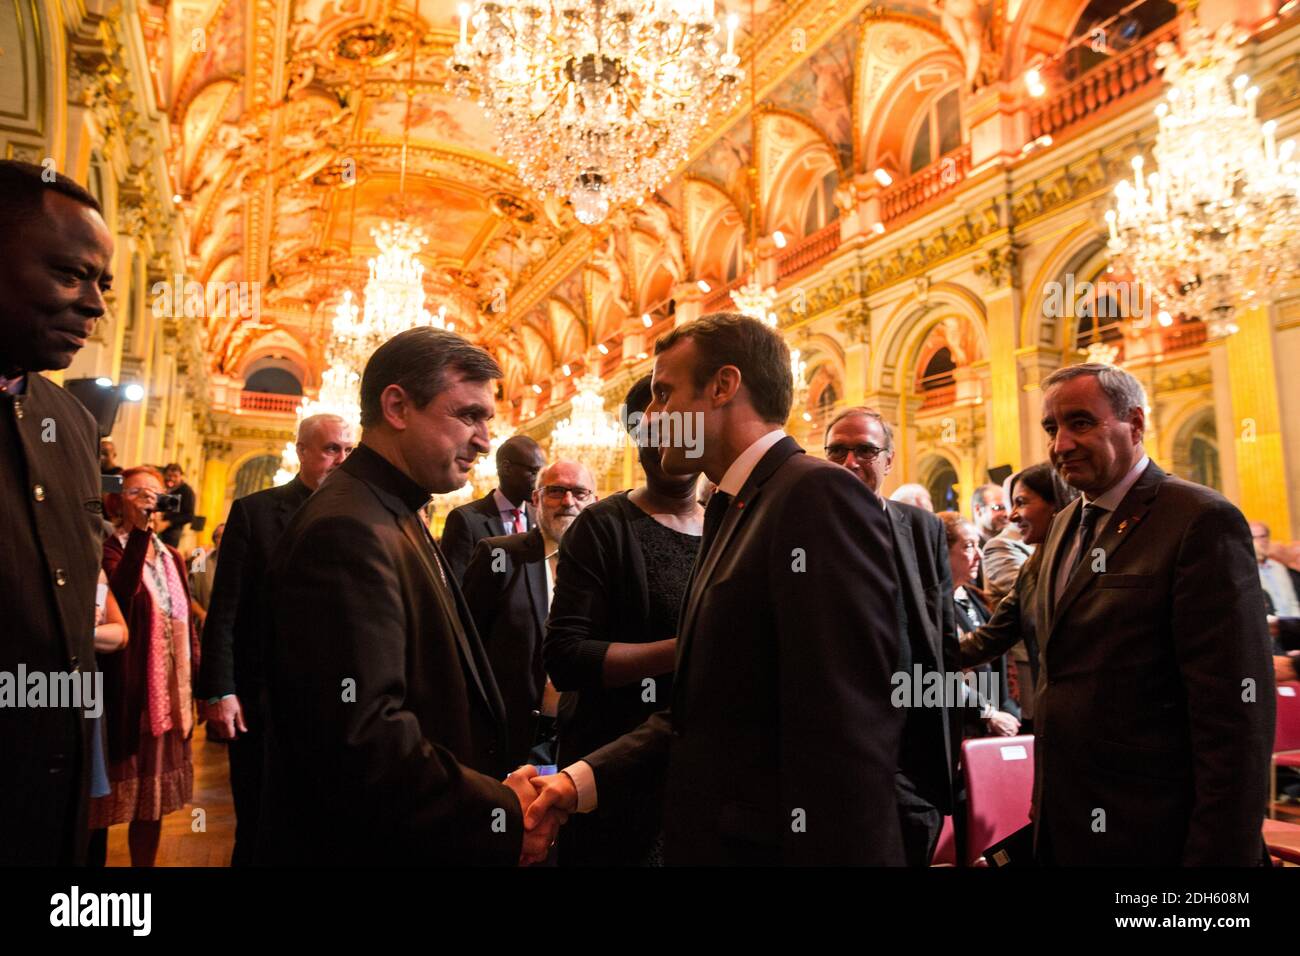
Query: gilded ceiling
{"points": [[293, 114]]}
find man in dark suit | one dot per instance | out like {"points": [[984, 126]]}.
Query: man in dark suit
{"points": [[56, 258], [1155, 702], [232, 673], [506, 510], [387, 733], [780, 744], [859, 439], [176, 521], [508, 588]]}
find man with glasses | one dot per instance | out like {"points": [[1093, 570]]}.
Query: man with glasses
{"points": [[505, 511], [859, 439], [989, 509], [508, 586]]}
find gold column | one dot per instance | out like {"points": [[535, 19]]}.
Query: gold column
{"points": [[1004, 428], [1257, 420], [212, 499]]}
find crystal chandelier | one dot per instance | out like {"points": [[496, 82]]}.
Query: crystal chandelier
{"points": [[596, 100], [1102, 353], [1217, 225], [588, 435], [755, 301], [394, 293]]}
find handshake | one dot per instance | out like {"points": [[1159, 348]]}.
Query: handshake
{"points": [[546, 803]]}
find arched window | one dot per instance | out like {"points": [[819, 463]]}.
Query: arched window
{"points": [[938, 371], [256, 474], [276, 381], [939, 132], [941, 482], [826, 401], [1098, 321], [820, 208], [1196, 451]]}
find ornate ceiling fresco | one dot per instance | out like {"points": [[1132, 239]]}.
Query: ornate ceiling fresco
{"points": [[292, 117]]}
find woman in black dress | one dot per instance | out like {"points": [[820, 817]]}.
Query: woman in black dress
{"points": [[611, 637]]}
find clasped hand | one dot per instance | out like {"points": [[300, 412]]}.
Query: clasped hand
{"points": [[546, 803]]}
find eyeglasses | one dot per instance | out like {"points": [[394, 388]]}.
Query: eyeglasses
{"points": [[533, 470], [996, 507], [139, 493], [557, 493], [862, 453]]}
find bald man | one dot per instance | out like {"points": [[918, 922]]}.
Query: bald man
{"points": [[231, 674], [508, 586]]}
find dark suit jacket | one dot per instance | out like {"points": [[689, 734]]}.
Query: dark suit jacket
{"points": [[929, 747], [1155, 699], [387, 734], [177, 520], [52, 544], [505, 588], [781, 744], [469, 524], [239, 614]]}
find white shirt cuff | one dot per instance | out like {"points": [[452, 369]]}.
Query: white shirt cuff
{"points": [[584, 781]]}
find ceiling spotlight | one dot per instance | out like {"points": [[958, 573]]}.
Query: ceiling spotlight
{"points": [[704, 286], [878, 228], [1034, 83], [604, 349], [883, 177], [104, 382], [646, 320], [779, 238], [566, 370], [537, 388], [642, 355], [176, 198], [134, 392], [1164, 318]]}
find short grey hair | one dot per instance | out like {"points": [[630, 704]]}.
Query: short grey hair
{"points": [[1124, 392], [865, 412], [307, 427]]}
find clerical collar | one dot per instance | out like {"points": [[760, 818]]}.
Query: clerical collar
{"points": [[368, 464]]}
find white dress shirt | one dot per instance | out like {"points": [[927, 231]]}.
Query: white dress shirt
{"points": [[1276, 579], [580, 772], [1108, 502], [508, 510]]}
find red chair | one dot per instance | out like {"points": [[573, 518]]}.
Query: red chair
{"points": [[999, 773], [945, 851], [1286, 737], [1283, 841]]}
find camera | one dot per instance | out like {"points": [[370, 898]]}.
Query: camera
{"points": [[168, 503]]}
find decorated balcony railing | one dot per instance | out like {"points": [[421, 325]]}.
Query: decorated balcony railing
{"points": [[808, 250], [925, 186], [264, 403], [1117, 79]]}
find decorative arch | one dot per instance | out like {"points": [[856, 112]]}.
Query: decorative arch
{"points": [[889, 44], [903, 107], [1082, 248], [794, 157], [939, 472], [713, 225], [905, 330]]}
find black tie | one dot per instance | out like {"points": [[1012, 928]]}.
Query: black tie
{"points": [[714, 512], [1087, 522]]}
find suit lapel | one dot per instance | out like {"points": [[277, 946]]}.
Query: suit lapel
{"points": [[534, 568], [705, 565], [1120, 528], [905, 547]]}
